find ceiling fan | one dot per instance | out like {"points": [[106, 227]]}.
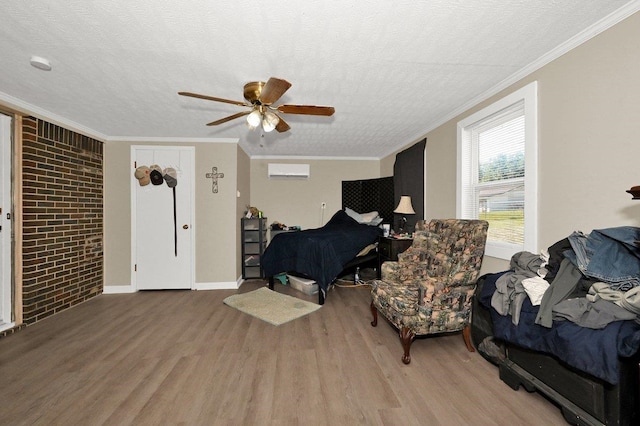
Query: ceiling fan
{"points": [[260, 97]]}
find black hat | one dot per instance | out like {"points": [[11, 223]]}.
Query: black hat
{"points": [[156, 175]]}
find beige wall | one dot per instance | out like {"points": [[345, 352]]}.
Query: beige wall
{"points": [[298, 201], [589, 146], [216, 215], [242, 200], [386, 164]]}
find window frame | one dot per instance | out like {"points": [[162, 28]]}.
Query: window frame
{"points": [[528, 96]]}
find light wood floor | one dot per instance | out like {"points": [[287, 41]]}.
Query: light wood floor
{"points": [[183, 357]]}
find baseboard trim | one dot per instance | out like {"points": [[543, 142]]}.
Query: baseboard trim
{"points": [[229, 285], [118, 289]]}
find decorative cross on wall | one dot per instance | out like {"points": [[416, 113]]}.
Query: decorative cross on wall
{"points": [[214, 175]]}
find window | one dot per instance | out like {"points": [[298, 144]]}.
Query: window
{"points": [[497, 172]]}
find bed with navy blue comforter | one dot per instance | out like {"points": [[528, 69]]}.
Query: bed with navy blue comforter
{"points": [[320, 253], [594, 351]]}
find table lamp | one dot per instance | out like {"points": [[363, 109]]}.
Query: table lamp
{"points": [[404, 208]]}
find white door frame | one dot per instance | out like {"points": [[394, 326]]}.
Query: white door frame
{"points": [[134, 232], [6, 300]]}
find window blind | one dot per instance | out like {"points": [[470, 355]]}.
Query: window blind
{"points": [[494, 189]]}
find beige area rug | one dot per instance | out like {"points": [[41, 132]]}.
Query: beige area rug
{"points": [[271, 306]]}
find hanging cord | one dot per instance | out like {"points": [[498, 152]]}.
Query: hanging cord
{"points": [[175, 223], [170, 176]]}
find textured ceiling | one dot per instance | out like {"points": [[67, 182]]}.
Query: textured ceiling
{"points": [[392, 69]]}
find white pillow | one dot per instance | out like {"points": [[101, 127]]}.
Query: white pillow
{"points": [[352, 213], [375, 222], [369, 217]]}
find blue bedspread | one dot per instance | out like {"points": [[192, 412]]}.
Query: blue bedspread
{"points": [[320, 253], [595, 352]]}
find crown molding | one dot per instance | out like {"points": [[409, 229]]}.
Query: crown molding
{"points": [[579, 39], [170, 139], [27, 109], [300, 157]]}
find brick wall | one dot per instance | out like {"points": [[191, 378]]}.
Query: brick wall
{"points": [[63, 220]]}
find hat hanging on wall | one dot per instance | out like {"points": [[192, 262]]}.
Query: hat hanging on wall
{"points": [[142, 173], [156, 175], [170, 177]]}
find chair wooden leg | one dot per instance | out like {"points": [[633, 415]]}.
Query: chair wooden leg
{"points": [[374, 311], [406, 337], [466, 335]]}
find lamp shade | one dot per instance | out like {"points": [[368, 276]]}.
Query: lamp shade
{"points": [[404, 206]]}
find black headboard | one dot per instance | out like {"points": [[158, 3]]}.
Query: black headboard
{"points": [[368, 195]]}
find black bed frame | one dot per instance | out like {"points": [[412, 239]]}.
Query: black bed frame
{"points": [[583, 399]]}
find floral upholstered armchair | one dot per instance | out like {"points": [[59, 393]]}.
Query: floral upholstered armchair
{"points": [[429, 289]]}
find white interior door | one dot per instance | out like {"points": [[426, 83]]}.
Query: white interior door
{"points": [[163, 250], [6, 312]]}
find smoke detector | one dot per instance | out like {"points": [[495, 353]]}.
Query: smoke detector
{"points": [[41, 63]]}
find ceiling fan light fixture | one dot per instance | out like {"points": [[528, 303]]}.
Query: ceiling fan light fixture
{"points": [[260, 98], [254, 119], [269, 121]]}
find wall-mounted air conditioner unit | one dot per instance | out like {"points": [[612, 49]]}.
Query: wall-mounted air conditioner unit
{"points": [[295, 171]]}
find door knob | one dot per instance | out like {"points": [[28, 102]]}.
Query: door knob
{"points": [[185, 226]]}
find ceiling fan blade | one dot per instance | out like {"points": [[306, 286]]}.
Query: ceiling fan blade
{"points": [[212, 98], [273, 90], [282, 126], [307, 109], [229, 118]]}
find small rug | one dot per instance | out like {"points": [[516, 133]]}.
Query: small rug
{"points": [[270, 306]]}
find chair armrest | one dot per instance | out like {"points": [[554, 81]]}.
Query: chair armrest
{"points": [[444, 275], [403, 274], [435, 291], [390, 271]]}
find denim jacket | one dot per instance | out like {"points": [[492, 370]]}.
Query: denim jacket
{"points": [[610, 255]]}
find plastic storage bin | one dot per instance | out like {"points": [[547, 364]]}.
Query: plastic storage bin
{"points": [[304, 285]]}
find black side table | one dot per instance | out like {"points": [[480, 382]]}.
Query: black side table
{"points": [[389, 248]]}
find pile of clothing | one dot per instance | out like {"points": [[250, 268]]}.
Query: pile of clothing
{"points": [[589, 279]]}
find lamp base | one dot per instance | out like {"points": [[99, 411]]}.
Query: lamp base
{"points": [[402, 225]]}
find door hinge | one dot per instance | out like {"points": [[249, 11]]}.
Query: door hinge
{"points": [[135, 268]]}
